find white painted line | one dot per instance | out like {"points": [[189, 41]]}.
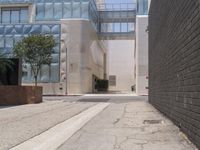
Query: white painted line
{"points": [[56, 136]]}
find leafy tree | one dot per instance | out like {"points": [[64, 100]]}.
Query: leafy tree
{"points": [[35, 50], [5, 63]]}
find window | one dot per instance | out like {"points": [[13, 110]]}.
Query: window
{"points": [[24, 15], [5, 16], [14, 15], [142, 7], [112, 80]]}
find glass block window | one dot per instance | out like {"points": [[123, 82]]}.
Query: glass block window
{"points": [[10, 34], [142, 7], [94, 14], [50, 10], [62, 9], [117, 27], [14, 15]]}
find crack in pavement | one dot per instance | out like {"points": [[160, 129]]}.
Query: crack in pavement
{"points": [[121, 127]]}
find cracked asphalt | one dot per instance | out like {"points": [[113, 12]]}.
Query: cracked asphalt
{"points": [[129, 125]]}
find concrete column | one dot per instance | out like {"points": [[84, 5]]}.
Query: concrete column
{"points": [[141, 55], [85, 56]]}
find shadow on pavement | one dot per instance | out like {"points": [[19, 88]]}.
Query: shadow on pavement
{"points": [[98, 98], [4, 107]]}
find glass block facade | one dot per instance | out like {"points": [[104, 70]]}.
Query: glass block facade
{"points": [[14, 15], [20, 18], [59, 9], [142, 7], [11, 34], [39, 17]]}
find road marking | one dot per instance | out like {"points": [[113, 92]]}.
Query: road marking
{"points": [[57, 135]]}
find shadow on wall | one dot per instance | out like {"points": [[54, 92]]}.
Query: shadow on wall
{"points": [[12, 75]]}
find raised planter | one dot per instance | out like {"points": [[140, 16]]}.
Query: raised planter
{"points": [[19, 95]]}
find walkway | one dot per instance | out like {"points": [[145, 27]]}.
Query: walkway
{"points": [[126, 123]]}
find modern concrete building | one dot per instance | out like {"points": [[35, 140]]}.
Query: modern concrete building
{"points": [[78, 55], [128, 58], [141, 54], [80, 28]]}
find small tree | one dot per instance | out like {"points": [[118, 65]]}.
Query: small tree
{"points": [[35, 50]]}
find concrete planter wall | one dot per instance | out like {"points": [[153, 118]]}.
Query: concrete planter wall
{"points": [[19, 95]]}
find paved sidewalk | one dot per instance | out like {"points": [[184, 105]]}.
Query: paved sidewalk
{"points": [[20, 123], [126, 126], [128, 123]]}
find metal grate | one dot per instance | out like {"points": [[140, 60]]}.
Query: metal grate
{"points": [[112, 80], [153, 121]]}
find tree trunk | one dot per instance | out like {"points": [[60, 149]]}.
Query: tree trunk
{"points": [[35, 80]]}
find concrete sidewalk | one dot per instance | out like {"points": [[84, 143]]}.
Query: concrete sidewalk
{"points": [[20, 123], [129, 126], [127, 123]]}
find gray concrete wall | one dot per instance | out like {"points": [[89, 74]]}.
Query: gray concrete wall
{"points": [[174, 62], [121, 64], [141, 55], [84, 55]]}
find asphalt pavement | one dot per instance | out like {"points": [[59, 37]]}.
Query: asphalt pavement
{"points": [[89, 122]]}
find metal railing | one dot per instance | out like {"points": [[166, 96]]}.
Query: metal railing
{"points": [[117, 7]]}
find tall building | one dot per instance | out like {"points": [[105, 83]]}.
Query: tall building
{"points": [[174, 54], [81, 29]]}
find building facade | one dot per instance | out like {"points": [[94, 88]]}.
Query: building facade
{"points": [[92, 42], [174, 54], [78, 56], [141, 48], [128, 58]]}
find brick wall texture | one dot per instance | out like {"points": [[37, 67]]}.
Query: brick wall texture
{"points": [[174, 62]]}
